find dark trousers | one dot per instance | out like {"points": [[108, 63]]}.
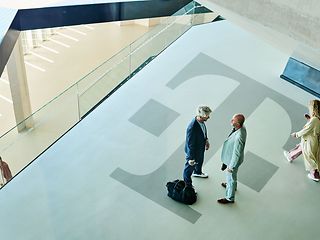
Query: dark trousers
{"points": [[197, 168], [199, 161], [187, 172]]}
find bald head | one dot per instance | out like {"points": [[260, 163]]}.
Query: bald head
{"points": [[237, 120]]}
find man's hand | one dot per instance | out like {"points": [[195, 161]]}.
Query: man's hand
{"points": [[207, 144], [229, 170], [192, 162], [294, 135]]}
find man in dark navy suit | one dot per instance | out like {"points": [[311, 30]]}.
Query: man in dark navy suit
{"points": [[196, 143]]}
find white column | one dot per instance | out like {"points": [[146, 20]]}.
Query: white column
{"points": [[148, 22], [19, 87], [36, 38], [46, 34], [125, 22], [27, 43]]}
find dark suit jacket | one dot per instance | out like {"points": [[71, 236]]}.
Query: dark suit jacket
{"points": [[195, 141]]}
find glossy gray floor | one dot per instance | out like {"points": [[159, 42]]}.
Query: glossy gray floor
{"points": [[105, 179]]}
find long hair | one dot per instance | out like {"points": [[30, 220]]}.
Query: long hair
{"points": [[314, 108]]}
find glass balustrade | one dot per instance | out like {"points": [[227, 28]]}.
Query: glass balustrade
{"points": [[23, 143]]}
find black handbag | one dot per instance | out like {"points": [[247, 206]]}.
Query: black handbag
{"points": [[179, 191]]}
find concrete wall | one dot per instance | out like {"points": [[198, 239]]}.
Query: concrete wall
{"points": [[297, 20]]}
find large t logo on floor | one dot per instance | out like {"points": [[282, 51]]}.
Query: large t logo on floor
{"points": [[246, 97]]}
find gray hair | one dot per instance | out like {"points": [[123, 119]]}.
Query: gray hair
{"points": [[203, 111]]}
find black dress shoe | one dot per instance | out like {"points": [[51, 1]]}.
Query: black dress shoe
{"points": [[224, 201], [223, 167]]}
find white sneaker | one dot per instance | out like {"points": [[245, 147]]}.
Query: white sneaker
{"points": [[286, 154], [312, 177], [202, 175]]}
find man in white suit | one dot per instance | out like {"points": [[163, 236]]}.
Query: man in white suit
{"points": [[232, 156]]}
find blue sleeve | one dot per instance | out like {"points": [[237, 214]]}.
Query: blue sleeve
{"points": [[190, 143]]}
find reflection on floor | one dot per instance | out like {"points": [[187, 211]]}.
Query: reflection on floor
{"points": [[96, 43], [86, 46], [106, 178]]}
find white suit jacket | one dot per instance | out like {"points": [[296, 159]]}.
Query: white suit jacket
{"points": [[233, 148], [310, 140]]}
